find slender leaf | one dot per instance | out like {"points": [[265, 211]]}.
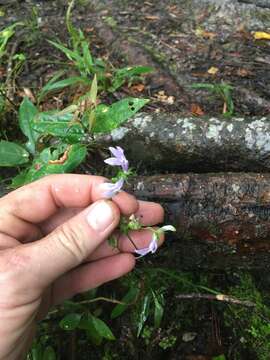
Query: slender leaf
{"points": [[49, 354], [159, 309], [70, 321], [58, 85], [71, 55], [12, 154], [128, 298], [27, 112], [44, 91], [144, 313], [121, 75], [111, 117], [88, 61]]}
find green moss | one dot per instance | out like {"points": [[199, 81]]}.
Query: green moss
{"points": [[250, 327]]}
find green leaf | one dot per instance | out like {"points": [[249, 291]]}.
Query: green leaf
{"points": [[59, 124], [94, 90], [70, 321], [43, 92], [88, 61], [42, 165], [49, 354], [219, 357], [12, 154], [102, 329], [57, 85], [71, 55], [121, 75], [97, 327], [27, 112], [111, 117], [159, 309], [144, 313], [128, 298]]}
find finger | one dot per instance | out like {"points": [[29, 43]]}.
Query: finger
{"points": [[150, 213], [70, 244], [141, 239], [127, 204], [39, 200], [92, 275]]}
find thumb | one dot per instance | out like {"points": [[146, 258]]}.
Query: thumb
{"points": [[72, 242]]}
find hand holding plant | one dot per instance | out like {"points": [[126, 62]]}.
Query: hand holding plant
{"points": [[56, 247]]}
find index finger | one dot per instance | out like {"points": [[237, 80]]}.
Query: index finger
{"points": [[39, 200]]}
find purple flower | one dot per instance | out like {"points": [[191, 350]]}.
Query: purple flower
{"points": [[119, 158], [151, 248], [112, 189]]}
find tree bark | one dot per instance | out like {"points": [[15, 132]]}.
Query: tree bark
{"points": [[179, 143], [222, 220]]}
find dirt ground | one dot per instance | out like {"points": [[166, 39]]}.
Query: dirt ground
{"points": [[187, 42]]}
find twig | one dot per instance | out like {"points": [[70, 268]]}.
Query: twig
{"points": [[9, 83], [218, 297]]}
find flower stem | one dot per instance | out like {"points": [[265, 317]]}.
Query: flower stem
{"points": [[132, 241]]}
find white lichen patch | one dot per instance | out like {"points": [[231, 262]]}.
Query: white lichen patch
{"points": [[140, 186], [235, 187], [214, 129], [188, 124], [141, 122], [118, 134], [258, 136]]}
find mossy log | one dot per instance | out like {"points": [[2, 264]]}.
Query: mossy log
{"points": [[222, 220]]}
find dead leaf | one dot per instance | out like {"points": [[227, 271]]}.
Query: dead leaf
{"points": [[261, 35], [29, 94], [243, 72], [161, 96], [62, 159], [152, 17], [205, 34], [212, 70], [138, 87], [196, 110]]}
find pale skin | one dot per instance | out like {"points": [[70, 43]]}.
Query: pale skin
{"points": [[53, 245]]}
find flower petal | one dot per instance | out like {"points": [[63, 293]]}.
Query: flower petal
{"points": [[151, 248], [118, 152], [168, 228], [113, 161], [112, 189]]}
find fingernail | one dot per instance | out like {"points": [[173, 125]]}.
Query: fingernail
{"points": [[100, 216]]}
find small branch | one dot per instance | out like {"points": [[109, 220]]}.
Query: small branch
{"points": [[219, 297]]}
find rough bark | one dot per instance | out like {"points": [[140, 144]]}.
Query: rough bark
{"points": [[222, 220], [179, 143]]}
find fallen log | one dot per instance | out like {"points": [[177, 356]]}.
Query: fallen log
{"points": [[222, 220], [179, 143]]}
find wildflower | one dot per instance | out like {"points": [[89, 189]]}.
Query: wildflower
{"points": [[119, 158], [152, 247], [112, 189]]}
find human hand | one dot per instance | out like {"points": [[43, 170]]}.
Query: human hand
{"points": [[53, 245]]}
